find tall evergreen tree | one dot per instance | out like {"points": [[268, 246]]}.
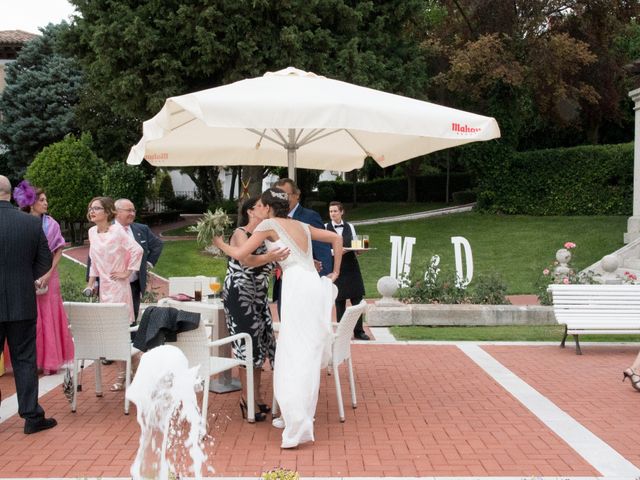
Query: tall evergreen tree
{"points": [[37, 105]]}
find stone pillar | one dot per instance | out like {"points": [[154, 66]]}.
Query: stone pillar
{"points": [[633, 223]]}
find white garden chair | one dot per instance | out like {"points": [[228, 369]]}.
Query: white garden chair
{"points": [[341, 352], [202, 349], [100, 331]]}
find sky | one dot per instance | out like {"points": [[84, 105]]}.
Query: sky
{"points": [[29, 15]]}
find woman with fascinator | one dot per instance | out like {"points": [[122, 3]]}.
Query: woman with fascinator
{"points": [[303, 345], [54, 345]]}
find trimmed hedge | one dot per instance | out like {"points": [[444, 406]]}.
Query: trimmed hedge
{"points": [[429, 188], [585, 180]]}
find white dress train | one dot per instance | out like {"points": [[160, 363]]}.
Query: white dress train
{"points": [[303, 345]]}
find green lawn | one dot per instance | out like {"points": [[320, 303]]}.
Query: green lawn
{"points": [[185, 258], [364, 211], [367, 211], [523, 333], [73, 271], [517, 247]]}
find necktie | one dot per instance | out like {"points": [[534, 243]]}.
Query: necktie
{"points": [[338, 226]]}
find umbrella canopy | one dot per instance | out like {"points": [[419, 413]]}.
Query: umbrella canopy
{"points": [[296, 118]]}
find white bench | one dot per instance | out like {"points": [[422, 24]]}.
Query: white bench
{"points": [[596, 309]]}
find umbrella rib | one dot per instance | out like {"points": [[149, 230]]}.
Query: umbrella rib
{"points": [[182, 124], [264, 135], [278, 133], [359, 144], [310, 136]]}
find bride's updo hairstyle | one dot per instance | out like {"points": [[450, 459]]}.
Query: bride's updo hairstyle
{"points": [[278, 200]]}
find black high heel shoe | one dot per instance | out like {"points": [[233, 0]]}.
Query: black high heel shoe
{"points": [[259, 416], [263, 407], [633, 376]]}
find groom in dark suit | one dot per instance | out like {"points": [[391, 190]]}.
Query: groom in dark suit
{"points": [[321, 251], [24, 257], [151, 246]]}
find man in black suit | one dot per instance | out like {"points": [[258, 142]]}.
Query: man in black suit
{"points": [[150, 243], [24, 257], [350, 284]]}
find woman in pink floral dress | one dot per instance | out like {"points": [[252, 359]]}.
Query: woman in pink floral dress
{"points": [[114, 255], [54, 345]]}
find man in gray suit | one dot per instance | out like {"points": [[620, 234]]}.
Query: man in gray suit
{"points": [[24, 257]]}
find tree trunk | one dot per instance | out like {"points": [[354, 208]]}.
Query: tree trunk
{"points": [[412, 170], [234, 178], [251, 182]]}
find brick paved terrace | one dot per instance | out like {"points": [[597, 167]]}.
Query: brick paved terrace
{"points": [[424, 410]]}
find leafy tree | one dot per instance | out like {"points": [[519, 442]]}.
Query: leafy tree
{"points": [[124, 181], [165, 191], [136, 54], [37, 104], [547, 69], [71, 174]]}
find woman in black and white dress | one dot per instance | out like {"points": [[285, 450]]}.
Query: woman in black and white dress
{"points": [[246, 303]]}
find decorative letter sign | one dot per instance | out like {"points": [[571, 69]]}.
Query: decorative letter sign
{"points": [[463, 280], [401, 256]]}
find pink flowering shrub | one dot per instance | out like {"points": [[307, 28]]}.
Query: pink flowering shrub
{"points": [[549, 275]]}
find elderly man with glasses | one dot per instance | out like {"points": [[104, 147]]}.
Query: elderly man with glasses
{"points": [[150, 243]]}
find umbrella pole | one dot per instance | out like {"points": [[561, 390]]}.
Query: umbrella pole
{"points": [[291, 154]]}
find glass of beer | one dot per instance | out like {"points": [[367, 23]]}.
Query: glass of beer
{"points": [[197, 291], [215, 286], [365, 241]]}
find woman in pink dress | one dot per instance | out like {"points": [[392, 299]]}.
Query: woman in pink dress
{"points": [[114, 257], [114, 254], [54, 345]]}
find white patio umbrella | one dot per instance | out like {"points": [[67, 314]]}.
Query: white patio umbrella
{"points": [[298, 119]]}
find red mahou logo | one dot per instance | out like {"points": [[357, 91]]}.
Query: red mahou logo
{"points": [[157, 156], [464, 129]]}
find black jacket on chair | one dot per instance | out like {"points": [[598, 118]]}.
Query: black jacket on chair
{"points": [[162, 324]]}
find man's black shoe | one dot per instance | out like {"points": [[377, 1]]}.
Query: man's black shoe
{"points": [[36, 426], [361, 336], [106, 362]]}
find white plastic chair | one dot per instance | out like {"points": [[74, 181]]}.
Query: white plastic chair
{"points": [[100, 331], [202, 350], [341, 352]]}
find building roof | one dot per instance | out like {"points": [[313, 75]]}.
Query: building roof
{"points": [[11, 41], [15, 36]]}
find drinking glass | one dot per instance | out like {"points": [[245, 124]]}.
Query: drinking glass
{"points": [[197, 291], [365, 241], [215, 286]]}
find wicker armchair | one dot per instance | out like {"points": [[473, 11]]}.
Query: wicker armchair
{"points": [[100, 331]]}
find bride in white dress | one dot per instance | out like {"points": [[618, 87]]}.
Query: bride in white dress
{"points": [[306, 302]]}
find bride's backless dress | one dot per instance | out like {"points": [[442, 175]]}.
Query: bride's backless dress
{"points": [[303, 346]]}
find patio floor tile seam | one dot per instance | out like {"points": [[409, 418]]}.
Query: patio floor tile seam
{"points": [[592, 448]]}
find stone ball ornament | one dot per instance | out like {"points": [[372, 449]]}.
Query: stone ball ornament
{"points": [[610, 263], [387, 286], [563, 256]]}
